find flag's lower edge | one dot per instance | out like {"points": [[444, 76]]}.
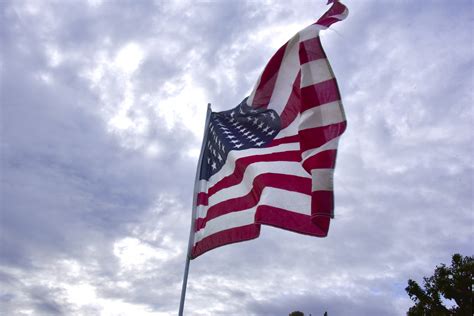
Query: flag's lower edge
{"points": [[225, 237], [317, 226]]}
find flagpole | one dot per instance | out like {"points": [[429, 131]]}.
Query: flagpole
{"points": [[193, 217]]}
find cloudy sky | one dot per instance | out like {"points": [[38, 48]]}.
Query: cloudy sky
{"points": [[102, 111]]}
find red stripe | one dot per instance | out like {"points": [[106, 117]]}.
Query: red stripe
{"points": [[328, 21], [320, 93], [322, 203], [325, 159], [284, 140], [311, 50], [202, 199], [318, 136], [199, 224], [292, 221], [293, 106], [225, 237], [268, 79], [275, 180], [241, 165]]}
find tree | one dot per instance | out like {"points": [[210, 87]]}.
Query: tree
{"points": [[296, 313], [452, 283]]}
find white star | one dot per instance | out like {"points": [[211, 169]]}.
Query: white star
{"points": [[270, 132], [238, 146], [260, 143], [260, 125], [266, 128], [214, 166]]}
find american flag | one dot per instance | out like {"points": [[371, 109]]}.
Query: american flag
{"points": [[271, 159]]}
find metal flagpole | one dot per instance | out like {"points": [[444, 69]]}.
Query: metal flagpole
{"points": [[191, 232]]}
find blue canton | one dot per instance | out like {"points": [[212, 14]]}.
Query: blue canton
{"points": [[240, 128]]}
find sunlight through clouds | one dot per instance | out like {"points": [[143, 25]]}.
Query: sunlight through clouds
{"points": [[183, 104], [179, 103], [129, 58], [134, 254], [54, 55], [81, 294]]}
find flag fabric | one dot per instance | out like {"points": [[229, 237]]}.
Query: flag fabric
{"points": [[271, 159]]}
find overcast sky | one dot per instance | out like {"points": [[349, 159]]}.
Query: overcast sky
{"points": [[102, 112]]}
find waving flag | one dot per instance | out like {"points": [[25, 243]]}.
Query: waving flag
{"points": [[271, 159]]}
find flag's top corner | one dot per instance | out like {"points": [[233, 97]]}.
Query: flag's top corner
{"points": [[337, 12]]}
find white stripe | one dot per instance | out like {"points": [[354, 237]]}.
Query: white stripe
{"points": [[310, 32], [325, 114], [227, 221], [201, 211], [229, 166], [330, 145], [289, 68], [314, 72], [322, 179], [254, 170], [202, 186], [288, 200]]}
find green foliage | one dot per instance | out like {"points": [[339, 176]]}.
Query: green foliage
{"points": [[453, 283], [296, 313]]}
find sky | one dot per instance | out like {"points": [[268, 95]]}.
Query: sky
{"points": [[102, 113]]}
